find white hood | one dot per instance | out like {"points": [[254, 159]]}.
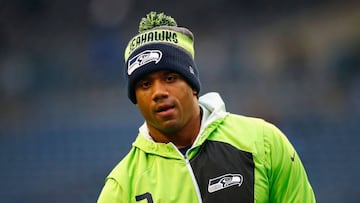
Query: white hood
{"points": [[213, 108]]}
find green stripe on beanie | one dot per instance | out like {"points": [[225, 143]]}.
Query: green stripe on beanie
{"points": [[160, 36]]}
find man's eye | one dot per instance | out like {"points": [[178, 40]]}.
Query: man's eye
{"points": [[171, 77], [144, 84]]}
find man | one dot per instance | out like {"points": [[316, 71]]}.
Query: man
{"points": [[190, 149]]}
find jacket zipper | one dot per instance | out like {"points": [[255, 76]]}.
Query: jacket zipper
{"points": [[188, 166], [193, 179]]}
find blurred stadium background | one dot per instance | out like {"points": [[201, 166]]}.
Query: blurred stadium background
{"points": [[65, 120]]}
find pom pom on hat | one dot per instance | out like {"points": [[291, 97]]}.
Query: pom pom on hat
{"points": [[154, 19]]}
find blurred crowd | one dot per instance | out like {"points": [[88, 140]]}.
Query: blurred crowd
{"points": [[296, 64]]}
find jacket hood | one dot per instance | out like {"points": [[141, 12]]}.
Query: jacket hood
{"points": [[213, 108]]}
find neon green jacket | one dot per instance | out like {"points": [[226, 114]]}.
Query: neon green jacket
{"points": [[234, 159]]}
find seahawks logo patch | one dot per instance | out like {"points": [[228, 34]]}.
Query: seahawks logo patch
{"points": [[142, 59]]}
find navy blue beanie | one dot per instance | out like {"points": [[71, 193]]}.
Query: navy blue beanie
{"points": [[160, 48]]}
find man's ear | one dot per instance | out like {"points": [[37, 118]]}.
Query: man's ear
{"points": [[194, 92]]}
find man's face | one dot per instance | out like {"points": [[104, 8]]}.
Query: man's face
{"points": [[166, 101]]}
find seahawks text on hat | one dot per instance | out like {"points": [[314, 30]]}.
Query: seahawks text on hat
{"points": [[154, 36], [143, 58], [160, 36]]}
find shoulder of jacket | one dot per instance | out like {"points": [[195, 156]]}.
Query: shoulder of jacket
{"points": [[248, 121], [126, 166]]}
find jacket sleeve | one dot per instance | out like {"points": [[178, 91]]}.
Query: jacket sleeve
{"points": [[287, 176], [112, 193]]}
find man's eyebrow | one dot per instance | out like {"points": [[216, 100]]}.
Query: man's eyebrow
{"points": [[142, 79], [168, 71], [171, 72]]}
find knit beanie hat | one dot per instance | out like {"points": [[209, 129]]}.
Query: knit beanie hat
{"points": [[160, 45]]}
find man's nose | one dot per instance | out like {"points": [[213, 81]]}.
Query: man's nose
{"points": [[159, 90]]}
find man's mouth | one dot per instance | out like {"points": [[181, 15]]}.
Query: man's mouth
{"points": [[164, 108]]}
